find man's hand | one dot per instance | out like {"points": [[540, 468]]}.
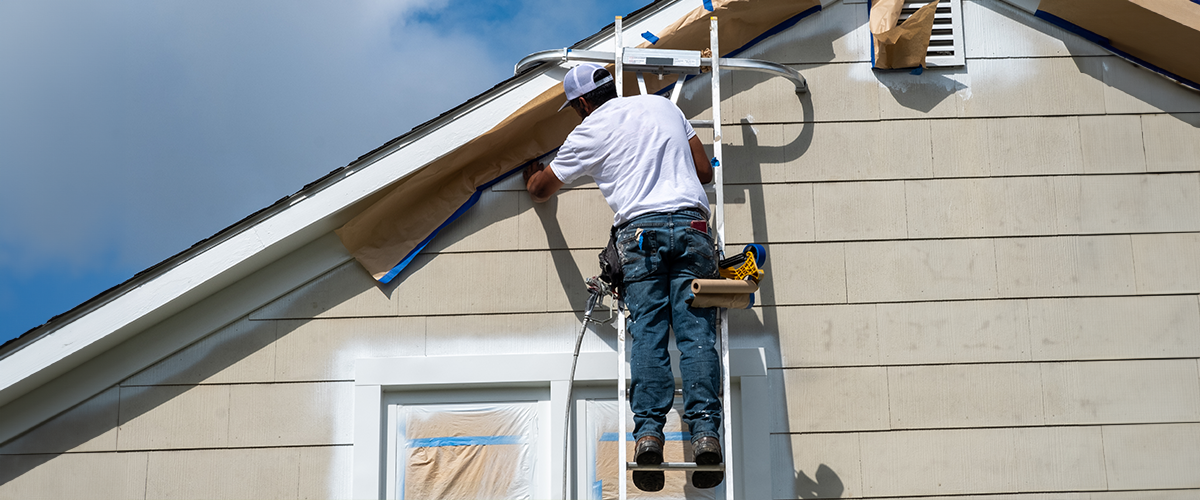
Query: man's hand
{"points": [[533, 168], [541, 182]]}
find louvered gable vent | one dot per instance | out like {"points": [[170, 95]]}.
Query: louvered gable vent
{"points": [[946, 43]]}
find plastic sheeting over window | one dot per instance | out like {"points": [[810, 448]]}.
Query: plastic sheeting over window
{"points": [[601, 441], [468, 452]]}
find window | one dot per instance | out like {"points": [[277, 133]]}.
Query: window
{"points": [[483, 444], [498, 421]]}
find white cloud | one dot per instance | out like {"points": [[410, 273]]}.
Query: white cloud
{"points": [[138, 128]]}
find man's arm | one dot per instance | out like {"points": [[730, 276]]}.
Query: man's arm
{"points": [[704, 169], [541, 182]]}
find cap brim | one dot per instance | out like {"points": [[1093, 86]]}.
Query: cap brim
{"points": [[564, 106]]}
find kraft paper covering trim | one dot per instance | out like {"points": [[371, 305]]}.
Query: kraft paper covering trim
{"points": [[468, 453], [387, 232], [903, 46], [1163, 33]]}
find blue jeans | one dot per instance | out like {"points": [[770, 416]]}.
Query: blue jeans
{"points": [[661, 253]]}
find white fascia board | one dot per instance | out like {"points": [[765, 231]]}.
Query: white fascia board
{"points": [[209, 270]]}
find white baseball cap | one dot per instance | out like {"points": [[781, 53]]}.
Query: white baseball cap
{"points": [[579, 82]]}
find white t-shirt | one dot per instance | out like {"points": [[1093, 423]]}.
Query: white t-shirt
{"points": [[636, 149]]}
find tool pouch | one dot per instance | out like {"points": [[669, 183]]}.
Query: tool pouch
{"points": [[610, 263]]}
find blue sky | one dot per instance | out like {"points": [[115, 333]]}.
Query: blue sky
{"points": [[131, 129]]}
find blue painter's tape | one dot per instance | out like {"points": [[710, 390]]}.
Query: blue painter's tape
{"points": [[708, 5], [598, 489], [1107, 44], [671, 436], [650, 37], [437, 442], [716, 162]]}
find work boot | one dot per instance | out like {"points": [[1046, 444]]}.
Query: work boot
{"points": [[708, 452], [649, 451]]}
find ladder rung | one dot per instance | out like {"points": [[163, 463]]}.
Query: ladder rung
{"points": [[675, 466], [701, 123]]}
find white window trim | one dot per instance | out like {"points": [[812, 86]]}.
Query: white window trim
{"points": [[374, 377]]}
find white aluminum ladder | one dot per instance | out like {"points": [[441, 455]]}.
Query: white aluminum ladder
{"points": [[723, 314], [681, 63]]}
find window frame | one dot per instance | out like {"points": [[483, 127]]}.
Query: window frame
{"points": [[381, 382]]}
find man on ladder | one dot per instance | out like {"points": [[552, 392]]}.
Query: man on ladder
{"points": [[650, 166]]}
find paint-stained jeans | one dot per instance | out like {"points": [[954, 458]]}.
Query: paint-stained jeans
{"points": [[661, 254]]}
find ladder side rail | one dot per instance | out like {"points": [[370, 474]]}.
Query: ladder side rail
{"points": [[617, 59], [723, 320], [621, 396]]}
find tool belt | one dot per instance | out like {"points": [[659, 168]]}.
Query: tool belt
{"points": [[611, 270]]}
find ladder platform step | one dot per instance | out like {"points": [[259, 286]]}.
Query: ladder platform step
{"points": [[675, 466]]}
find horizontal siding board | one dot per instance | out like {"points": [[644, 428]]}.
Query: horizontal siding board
{"points": [[1129, 88], [290, 414], [816, 466], [859, 210], [579, 218], [167, 417], [516, 334], [1121, 392], [850, 92], [1167, 263], [1065, 266], [954, 332], [840, 335], [73, 475], [776, 213], [836, 399], [236, 473], [920, 270], [1152, 456], [978, 395], [346, 291], [325, 349], [982, 461], [324, 473], [1035, 87], [90, 426], [1114, 327], [804, 274], [1172, 142], [241, 352], [1112, 144], [1141, 203]]}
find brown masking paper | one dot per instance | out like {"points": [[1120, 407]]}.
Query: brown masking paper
{"points": [[902, 46], [1165, 33], [474, 471], [602, 419], [383, 234]]}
